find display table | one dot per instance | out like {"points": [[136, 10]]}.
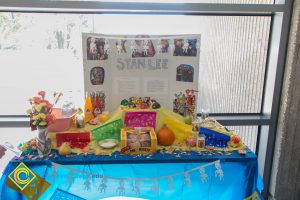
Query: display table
{"points": [[239, 182]]}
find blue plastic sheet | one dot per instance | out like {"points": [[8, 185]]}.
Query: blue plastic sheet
{"points": [[240, 181]]}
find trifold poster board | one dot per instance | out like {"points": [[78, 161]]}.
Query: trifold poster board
{"points": [[163, 67]]}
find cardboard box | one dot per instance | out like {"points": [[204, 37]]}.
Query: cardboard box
{"points": [[138, 140]]}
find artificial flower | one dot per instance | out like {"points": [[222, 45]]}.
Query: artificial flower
{"points": [[49, 106], [40, 112], [37, 100], [30, 101], [38, 107], [50, 118], [43, 123], [42, 116], [28, 111], [42, 94]]}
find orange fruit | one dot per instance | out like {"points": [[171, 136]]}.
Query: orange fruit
{"points": [[165, 136]]}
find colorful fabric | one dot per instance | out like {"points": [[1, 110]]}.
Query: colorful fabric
{"points": [[163, 116]]}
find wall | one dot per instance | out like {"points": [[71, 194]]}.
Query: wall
{"points": [[285, 180]]}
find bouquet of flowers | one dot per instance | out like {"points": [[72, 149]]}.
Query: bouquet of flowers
{"points": [[40, 111]]}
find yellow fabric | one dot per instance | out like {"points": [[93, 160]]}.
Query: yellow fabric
{"points": [[174, 121]]}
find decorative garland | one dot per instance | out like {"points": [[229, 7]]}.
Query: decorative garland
{"points": [[137, 181]]}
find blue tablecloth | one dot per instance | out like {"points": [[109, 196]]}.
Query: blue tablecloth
{"points": [[240, 177]]}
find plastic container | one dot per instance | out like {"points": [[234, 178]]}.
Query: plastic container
{"points": [[61, 123]]}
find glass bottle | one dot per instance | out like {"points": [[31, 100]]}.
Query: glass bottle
{"points": [[88, 109]]}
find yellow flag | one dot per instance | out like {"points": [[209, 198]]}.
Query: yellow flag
{"points": [[26, 182]]}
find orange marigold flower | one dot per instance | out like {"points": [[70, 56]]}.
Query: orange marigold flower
{"points": [[42, 94], [37, 100], [50, 118]]}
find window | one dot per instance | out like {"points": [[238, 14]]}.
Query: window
{"points": [[38, 45], [241, 60]]}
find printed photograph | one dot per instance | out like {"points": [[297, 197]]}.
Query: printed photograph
{"points": [[185, 47], [164, 46], [185, 73], [96, 49], [144, 47], [120, 45], [97, 75]]}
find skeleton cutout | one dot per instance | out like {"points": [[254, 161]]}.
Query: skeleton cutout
{"points": [[185, 46], [132, 47], [106, 47], [146, 47]]}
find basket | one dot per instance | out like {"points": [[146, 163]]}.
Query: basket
{"points": [[61, 123]]}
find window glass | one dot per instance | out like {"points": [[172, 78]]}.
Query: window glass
{"points": [[44, 51]]}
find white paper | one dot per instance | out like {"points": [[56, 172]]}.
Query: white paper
{"points": [[154, 86], [124, 85]]}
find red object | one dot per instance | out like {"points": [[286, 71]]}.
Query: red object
{"points": [[42, 94], [97, 106], [76, 139], [236, 139]]}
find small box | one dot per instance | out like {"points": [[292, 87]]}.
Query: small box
{"points": [[138, 140]]}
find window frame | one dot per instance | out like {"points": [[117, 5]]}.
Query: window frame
{"points": [[266, 120]]}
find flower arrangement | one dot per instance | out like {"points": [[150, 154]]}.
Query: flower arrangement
{"points": [[40, 111]]}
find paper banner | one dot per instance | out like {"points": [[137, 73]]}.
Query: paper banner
{"points": [[63, 195], [110, 130], [140, 119]]}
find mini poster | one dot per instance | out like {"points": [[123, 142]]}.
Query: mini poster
{"points": [[163, 46], [95, 49], [185, 73], [185, 47], [120, 45], [156, 66], [184, 103], [97, 75], [140, 119], [144, 47]]}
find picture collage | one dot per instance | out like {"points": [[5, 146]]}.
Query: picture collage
{"points": [[130, 53]]}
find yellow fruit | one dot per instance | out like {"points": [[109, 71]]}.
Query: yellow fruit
{"points": [[65, 149], [103, 117]]}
